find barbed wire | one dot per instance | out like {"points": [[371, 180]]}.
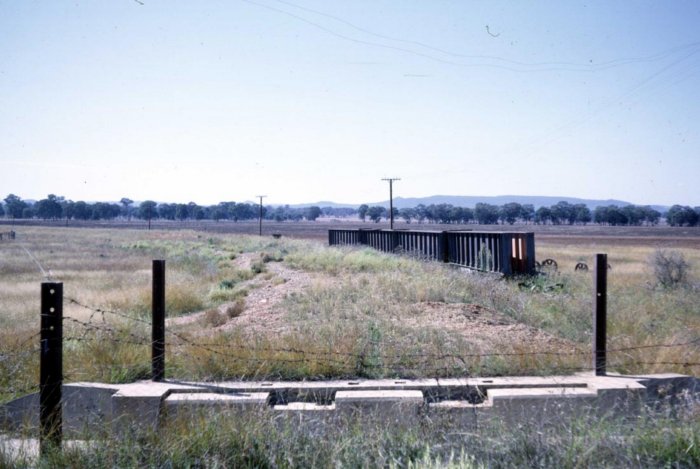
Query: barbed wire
{"points": [[370, 358], [103, 311]]}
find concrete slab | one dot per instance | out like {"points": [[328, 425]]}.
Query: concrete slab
{"points": [[138, 405], [202, 405], [460, 401], [20, 413]]}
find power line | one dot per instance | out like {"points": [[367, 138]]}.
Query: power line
{"points": [[429, 51]]}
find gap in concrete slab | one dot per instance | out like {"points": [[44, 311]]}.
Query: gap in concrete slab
{"points": [[470, 394], [321, 396]]}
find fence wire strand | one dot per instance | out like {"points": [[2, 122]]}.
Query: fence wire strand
{"points": [[370, 357]]}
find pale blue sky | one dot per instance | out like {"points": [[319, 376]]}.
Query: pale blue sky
{"points": [[317, 100]]}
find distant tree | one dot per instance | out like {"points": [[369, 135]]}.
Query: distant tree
{"points": [[563, 213], [223, 210], [679, 215], [167, 211], [440, 213], [27, 212], [181, 211], [15, 206], [582, 214], [408, 214], [195, 211], [50, 207], [543, 215], [2, 211], [338, 211], [81, 211], [431, 213], [466, 215], [510, 212], [456, 215], [312, 213], [486, 214], [527, 213], [610, 215], [245, 211], [362, 212], [148, 210], [651, 216], [279, 214], [376, 213], [126, 202], [105, 211], [420, 213]]}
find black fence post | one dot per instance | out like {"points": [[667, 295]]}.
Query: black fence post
{"points": [[505, 254], [158, 321], [600, 314], [51, 367], [444, 247]]}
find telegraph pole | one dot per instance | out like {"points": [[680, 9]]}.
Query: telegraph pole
{"points": [[260, 217], [391, 200]]}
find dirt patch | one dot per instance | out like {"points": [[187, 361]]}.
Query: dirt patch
{"points": [[486, 329], [263, 310]]}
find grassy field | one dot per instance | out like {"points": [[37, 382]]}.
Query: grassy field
{"points": [[248, 307], [255, 441]]}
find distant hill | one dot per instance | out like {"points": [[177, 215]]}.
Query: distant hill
{"points": [[328, 204], [471, 201]]}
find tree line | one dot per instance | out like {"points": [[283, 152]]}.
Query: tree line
{"points": [[55, 207], [561, 213]]}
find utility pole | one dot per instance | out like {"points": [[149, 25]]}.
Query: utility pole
{"points": [[260, 217], [391, 200]]}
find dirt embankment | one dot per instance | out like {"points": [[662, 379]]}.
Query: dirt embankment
{"points": [[264, 313]]}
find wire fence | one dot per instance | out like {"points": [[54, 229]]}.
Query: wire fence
{"points": [[107, 329]]}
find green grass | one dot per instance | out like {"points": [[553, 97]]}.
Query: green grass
{"points": [[256, 440]]}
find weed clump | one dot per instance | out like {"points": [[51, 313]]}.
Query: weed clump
{"points": [[258, 267], [214, 318], [670, 268], [236, 309]]}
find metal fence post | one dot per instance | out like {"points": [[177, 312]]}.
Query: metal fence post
{"points": [[51, 367], [158, 322], [505, 255], [600, 314], [444, 247]]}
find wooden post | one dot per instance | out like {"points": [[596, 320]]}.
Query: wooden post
{"points": [[51, 367], [158, 321], [600, 313]]}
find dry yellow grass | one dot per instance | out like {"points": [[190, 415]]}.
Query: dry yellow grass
{"points": [[376, 318]]}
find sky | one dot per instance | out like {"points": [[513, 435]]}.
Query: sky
{"points": [[307, 100]]}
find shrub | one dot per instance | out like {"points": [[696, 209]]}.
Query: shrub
{"points": [[257, 267], [182, 300], [670, 268], [218, 295], [214, 318], [277, 256], [236, 309]]}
